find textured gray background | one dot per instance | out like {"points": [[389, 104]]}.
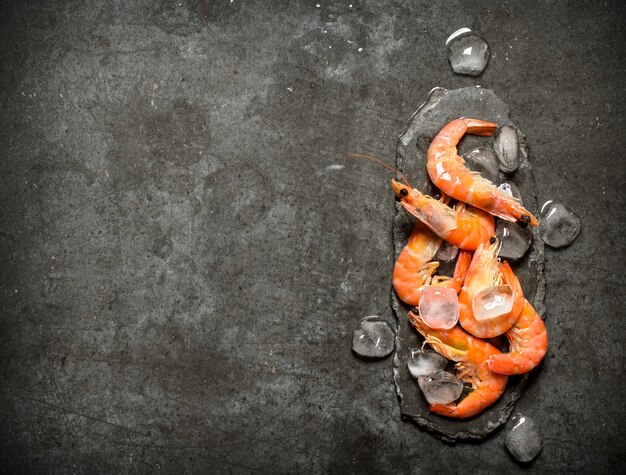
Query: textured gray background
{"points": [[183, 263]]}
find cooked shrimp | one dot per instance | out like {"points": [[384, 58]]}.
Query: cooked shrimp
{"points": [[485, 271], [528, 343], [471, 356], [463, 226], [448, 172], [415, 267]]}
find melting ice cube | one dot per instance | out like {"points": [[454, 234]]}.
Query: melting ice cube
{"points": [[511, 189], [559, 224], [522, 438], [439, 307], [440, 387], [492, 302], [506, 146], [468, 53], [515, 239], [425, 362], [375, 338], [484, 161]]}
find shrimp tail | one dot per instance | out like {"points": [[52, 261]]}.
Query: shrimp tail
{"points": [[480, 127]]}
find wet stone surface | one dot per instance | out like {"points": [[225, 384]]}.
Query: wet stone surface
{"points": [[441, 107], [484, 161], [522, 438], [468, 54], [559, 224], [446, 253], [374, 339]]}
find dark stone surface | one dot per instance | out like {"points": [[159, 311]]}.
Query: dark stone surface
{"points": [[441, 107], [184, 259]]}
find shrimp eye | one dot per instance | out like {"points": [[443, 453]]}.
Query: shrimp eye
{"points": [[436, 196], [492, 240], [404, 192], [415, 310], [526, 218], [397, 198]]}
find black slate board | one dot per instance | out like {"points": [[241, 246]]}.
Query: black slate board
{"points": [[441, 107]]}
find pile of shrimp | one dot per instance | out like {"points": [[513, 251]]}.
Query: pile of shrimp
{"points": [[469, 225]]}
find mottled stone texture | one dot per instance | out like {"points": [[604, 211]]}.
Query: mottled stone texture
{"points": [[186, 249]]}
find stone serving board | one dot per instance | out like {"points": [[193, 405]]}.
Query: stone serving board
{"points": [[441, 107]]}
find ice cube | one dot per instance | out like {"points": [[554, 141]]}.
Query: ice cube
{"points": [[506, 146], [425, 362], [515, 239], [512, 190], [375, 338], [440, 387], [484, 161], [559, 224], [522, 439], [492, 302], [468, 53], [439, 307], [446, 253]]}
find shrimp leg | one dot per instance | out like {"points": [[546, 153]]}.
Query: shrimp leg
{"points": [[415, 267], [471, 355]]}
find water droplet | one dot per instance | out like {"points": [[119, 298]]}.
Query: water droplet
{"points": [[559, 224], [492, 302], [506, 146], [468, 53], [375, 338], [440, 387], [439, 307]]}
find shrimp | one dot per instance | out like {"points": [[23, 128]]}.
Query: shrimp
{"points": [[485, 271], [528, 343], [415, 267], [448, 172], [463, 226], [471, 356]]}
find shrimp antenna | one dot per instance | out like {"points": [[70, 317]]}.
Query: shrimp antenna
{"points": [[380, 162]]}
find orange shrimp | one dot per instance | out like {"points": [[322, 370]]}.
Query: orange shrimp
{"points": [[485, 271], [528, 344], [471, 356], [448, 172], [415, 267], [463, 226]]}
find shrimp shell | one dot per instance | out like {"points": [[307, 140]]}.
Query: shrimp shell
{"points": [[448, 172], [528, 344]]}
